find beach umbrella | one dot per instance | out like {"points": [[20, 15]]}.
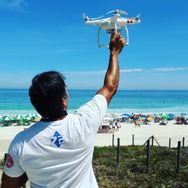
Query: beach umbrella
{"points": [[143, 115], [7, 120], [126, 115], [19, 119], [183, 114], [171, 116], [29, 118], [164, 116], [149, 117], [1, 120]]}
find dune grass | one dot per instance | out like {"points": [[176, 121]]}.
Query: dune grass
{"points": [[131, 172]]}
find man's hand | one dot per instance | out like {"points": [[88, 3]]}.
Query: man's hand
{"points": [[117, 43], [10, 182]]}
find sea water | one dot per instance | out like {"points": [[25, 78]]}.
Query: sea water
{"points": [[14, 101]]}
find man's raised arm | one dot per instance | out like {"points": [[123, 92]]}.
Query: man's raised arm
{"points": [[111, 80]]}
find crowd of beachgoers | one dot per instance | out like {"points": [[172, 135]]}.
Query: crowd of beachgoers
{"points": [[112, 122], [142, 125]]}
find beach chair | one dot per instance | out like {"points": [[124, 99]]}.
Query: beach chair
{"points": [[4, 161]]}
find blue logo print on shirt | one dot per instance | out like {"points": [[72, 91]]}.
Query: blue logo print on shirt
{"points": [[57, 139]]}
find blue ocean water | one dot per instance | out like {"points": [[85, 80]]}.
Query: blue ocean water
{"points": [[131, 101]]}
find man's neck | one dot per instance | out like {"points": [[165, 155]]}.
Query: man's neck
{"points": [[61, 116]]}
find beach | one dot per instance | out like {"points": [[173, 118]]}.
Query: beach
{"points": [[161, 133], [141, 133]]}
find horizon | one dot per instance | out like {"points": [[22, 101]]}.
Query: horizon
{"points": [[37, 37], [98, 89]]}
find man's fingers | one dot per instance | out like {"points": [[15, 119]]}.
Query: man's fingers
{"points": [[123, 41], [115, 36]]}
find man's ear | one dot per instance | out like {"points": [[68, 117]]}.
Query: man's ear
{"points": [[64, 101]]}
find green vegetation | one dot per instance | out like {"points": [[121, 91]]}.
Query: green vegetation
{"points": [[132, 171], [1, 164]]}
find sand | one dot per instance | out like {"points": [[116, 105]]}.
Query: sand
{"points": [[162, 133]]}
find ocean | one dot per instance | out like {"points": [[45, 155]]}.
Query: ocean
{"points": [[16, 101]]}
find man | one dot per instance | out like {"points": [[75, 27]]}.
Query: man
{"points": [[57, 151]]}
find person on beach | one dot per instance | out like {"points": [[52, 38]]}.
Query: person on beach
{"points": [[57, 151], [135, 120]]}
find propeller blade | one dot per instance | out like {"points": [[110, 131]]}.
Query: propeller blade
{"points": [[97, 18], [138, 16], [122, 12], [112, 11], [117, 11], [85, 18]]}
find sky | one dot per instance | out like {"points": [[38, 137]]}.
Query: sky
{"points": [[43, 35]]}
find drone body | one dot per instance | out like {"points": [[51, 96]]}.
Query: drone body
{"points": [[112, 24]]}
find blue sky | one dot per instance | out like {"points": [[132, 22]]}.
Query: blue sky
{"points": [[42, 35]]}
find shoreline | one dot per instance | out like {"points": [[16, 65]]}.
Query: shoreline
{"points": [[7, 112]]}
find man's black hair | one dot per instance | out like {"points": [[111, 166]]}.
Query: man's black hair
{"points": [[46, 93]]}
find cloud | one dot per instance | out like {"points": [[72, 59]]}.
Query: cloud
{"points": [[131, 70], [85, 72], [15, 5], [102, 72], [170, 69]]}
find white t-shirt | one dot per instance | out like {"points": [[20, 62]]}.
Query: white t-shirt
{"points": [[59, 154]]}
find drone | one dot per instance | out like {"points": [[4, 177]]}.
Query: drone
{"points": [[112, 24]]}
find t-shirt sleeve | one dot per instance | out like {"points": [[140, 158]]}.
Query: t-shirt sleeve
{"points": [[92, 113], [12, 166]]}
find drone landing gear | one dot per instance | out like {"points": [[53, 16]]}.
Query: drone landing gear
{"points": [[98, 40], [110, 32], [127, 35]]}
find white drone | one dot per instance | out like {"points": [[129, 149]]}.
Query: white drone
{"points": [[112, 24]]}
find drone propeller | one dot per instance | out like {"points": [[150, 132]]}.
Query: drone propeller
{"points": [[117, 11], [97, 18], [138, 16], [86, 18]]}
